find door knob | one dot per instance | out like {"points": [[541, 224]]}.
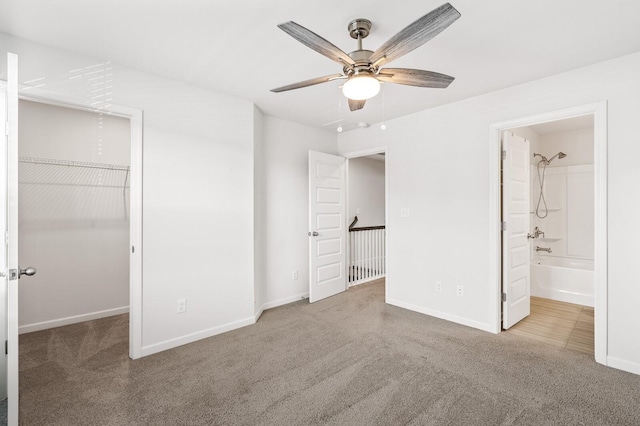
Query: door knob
{"points": [[313, 234], [29, 271]]}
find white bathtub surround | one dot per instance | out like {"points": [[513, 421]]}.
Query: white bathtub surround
{"points": [[563, 278], [566, 274], [569, 226]]}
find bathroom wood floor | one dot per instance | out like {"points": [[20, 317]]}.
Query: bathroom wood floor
{"points": [[560, 324]]}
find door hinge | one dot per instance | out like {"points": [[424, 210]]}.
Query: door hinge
{"points": [[6, 347], [504, 297], [133, 249], [503, 155], [503, 226], [6, 128]]}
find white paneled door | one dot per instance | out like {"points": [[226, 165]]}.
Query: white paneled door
{"points": [[515, 242], [327, 228]]}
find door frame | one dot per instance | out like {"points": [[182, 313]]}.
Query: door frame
{"points": [[135, 117], [599, 112], [364, 153]]}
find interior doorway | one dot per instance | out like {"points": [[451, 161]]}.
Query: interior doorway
{"points": [[366, 207], [102, 177], [596, 113], [329, 223], [74, 214], [559, 239]]}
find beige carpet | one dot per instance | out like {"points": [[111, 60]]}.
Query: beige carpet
{"points": [[348, 360]]}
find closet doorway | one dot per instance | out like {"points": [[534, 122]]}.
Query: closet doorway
{"points": [[79, 216]]}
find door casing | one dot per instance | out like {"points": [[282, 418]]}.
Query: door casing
{"points": [[136, 119], [599, 112]]}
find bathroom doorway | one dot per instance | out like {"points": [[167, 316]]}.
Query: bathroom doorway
{"points": [[545, 244], [560, 237]]}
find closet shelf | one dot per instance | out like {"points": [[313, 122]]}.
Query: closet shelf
{"points": [[47, 171], [68, 163]]}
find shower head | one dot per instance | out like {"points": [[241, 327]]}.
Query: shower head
{"points": [[558, 155]]}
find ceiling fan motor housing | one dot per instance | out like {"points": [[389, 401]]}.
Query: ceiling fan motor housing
{"points": [[361, 63]]}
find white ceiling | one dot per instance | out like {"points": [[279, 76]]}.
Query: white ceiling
{"points": [[236, 48]]}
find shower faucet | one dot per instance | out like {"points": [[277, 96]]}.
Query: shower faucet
{"points": [[536, 233], [547, 249]]}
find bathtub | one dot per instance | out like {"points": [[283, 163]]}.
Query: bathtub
{"points": [[562, 278]]}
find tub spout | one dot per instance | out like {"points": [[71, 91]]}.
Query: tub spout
{"points": [[547, 249]]}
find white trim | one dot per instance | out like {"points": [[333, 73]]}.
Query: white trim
{"points": [[599, 111], [442, 315], [368, 280], [280, 302], [45, 325], [364, 153], [135, 275], [622, 364], [193, 337], [258, 314], [368, 151]]}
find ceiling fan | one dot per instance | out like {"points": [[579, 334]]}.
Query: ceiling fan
{"points": [[361, 68]]}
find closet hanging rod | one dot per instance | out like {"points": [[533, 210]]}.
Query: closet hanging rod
{"points": [[69, 163]]}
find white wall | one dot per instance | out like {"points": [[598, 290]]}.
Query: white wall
{"points": [[366, 191], [577, 144], [449, 199], [197, 191], [286, 183], [74, 222]]}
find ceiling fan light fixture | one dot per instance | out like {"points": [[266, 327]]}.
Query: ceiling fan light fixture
{"points": [[361, 87]]}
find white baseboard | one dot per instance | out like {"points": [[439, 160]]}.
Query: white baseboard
{"points": [[44, 325], [192, 337], [258, 314], [285, 301], [280, 302], [624, 365], [443, 315], [368, 280]]}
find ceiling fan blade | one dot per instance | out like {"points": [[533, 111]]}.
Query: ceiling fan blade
{"points": [[416, 34], [356, 105], [411, 77], [307, 83], [315, 42]]}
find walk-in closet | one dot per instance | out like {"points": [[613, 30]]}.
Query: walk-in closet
{"points": [[74, 174]]}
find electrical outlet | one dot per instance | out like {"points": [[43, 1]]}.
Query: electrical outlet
{"points": [[439, 286], [294, 274], [182, 306], [404, 212], [358, 210], [460, 291]]}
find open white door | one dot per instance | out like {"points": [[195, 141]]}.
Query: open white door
{"points": [[327, 228], [11, 271], [516, 218]]}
